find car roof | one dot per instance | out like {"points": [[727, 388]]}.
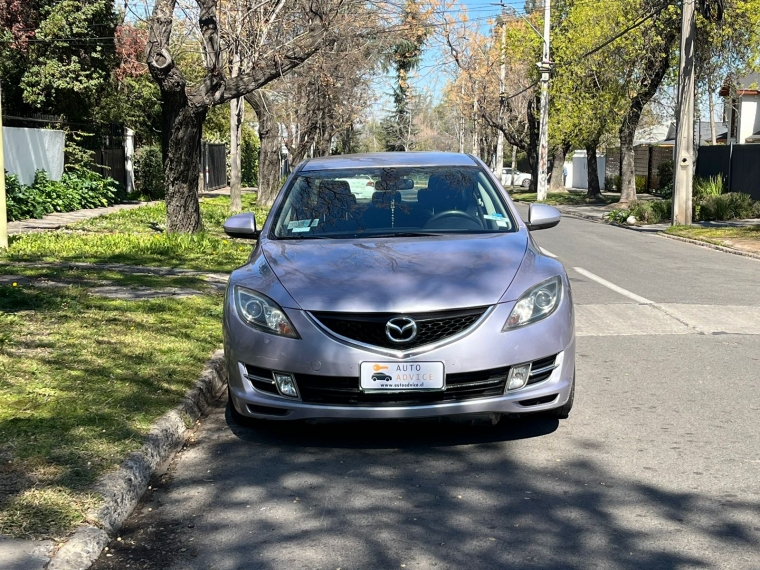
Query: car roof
{"points": [[387, 159]]}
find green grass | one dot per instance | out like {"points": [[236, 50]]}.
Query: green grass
{"points": [[81, 380], [716, 235], [564, 198], [138, 237]]}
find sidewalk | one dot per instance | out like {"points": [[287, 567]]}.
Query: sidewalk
{"points": [[59, 220]]}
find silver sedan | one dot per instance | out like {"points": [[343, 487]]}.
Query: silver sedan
{"points": [[430, 299]]}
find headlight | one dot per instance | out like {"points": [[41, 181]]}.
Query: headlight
{"points": [[536, 304], [261, 312]]}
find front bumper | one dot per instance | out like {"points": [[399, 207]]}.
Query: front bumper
{"points": [[317, 353]]}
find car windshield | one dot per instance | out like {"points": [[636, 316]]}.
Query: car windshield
{"points": [[392, 202]]}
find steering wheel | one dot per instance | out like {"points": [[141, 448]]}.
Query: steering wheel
{"points": [[453, 214]]}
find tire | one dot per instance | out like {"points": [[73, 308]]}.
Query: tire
{"points": [[563, 412], [526, 183]]}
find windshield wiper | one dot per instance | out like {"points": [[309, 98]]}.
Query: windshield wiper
{"points": [[401, 234]]}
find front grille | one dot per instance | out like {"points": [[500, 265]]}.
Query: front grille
{"points": [[370, 329], [345, 390]]}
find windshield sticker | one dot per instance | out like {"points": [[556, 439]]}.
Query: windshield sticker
{"points": [[501, 224], [306, 229], [496, 217], [314, 223], [296, 224]]}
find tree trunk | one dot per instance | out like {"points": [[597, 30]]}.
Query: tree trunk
{"points": [[269, 152], [594, 191], [181, 146], [236, 126], [711, 106], [628, 165], [558, 165], [532, 150]]}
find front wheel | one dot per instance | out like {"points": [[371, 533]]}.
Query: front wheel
{"points": [[526, 183]]}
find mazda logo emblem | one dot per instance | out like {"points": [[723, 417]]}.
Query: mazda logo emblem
{"points": [[401, 329]]}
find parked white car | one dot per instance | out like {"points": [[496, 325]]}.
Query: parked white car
{"points": [[520, 178], [362, 186]]}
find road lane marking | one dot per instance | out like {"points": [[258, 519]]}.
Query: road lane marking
{"points": [[547, 252], [613, 287], [625, 320]]}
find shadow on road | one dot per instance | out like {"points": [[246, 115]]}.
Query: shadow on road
{"points": [[422, 495]]}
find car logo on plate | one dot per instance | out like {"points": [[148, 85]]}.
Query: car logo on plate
{"points": [[401, 329]]}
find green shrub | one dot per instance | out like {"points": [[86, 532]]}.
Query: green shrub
{"points": [[662, 210], [723, 207], [149, 173], [249, 158], [651, 211], [618, 216], [665, 174], [703, 187], [641, 184], [78, 189]]}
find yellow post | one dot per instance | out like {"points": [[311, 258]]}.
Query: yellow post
{"points": [[3, 213]]}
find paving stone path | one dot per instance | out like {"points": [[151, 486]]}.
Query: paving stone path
{"points": [[59, 220]]}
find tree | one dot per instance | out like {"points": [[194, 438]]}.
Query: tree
{"points": [[282, 35], [404, 58], [58, 55]]}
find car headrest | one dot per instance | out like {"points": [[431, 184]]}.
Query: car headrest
{"points": [[336, 193], [383, 199]]}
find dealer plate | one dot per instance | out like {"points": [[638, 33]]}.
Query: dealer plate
{"points": [[401, 376]]}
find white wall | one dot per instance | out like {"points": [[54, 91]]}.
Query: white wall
{"points": [[749, 121], [29, 150], [578, 174]]}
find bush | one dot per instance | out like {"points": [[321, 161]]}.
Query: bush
{"points": [[78, 189], [609, 184], [249, 158], [641, 184], [723, 207], [651, 211], [665, 174], [149, 173], [704, 187]]}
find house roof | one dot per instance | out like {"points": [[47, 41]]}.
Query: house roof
{"points": [[701, 132], [745, 85], [651, 135]]}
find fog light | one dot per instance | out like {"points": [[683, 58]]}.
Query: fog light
{"points": [[518, 376], [286, 385]]}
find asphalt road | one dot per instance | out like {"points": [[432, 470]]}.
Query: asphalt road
{"points": [[657, 467]]}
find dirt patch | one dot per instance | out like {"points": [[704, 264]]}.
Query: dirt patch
{"points": [[749, 245]]}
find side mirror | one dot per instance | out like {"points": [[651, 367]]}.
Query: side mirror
{"points": [[241, 226], [542, 217]]}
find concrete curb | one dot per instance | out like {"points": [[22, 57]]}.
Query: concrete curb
{"points": [[122, 489]]}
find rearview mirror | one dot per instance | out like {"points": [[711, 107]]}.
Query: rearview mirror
{"points": [[241, 226], [542, 217]]}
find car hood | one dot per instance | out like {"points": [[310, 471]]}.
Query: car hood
{"points": [[397, 274]]}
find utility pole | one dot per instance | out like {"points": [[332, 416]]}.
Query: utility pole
{"points": [[685, 131], [502, 80], [3, 212], [545, 67]]}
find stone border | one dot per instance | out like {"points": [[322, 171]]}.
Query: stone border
{"points": [[123, 488]]}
